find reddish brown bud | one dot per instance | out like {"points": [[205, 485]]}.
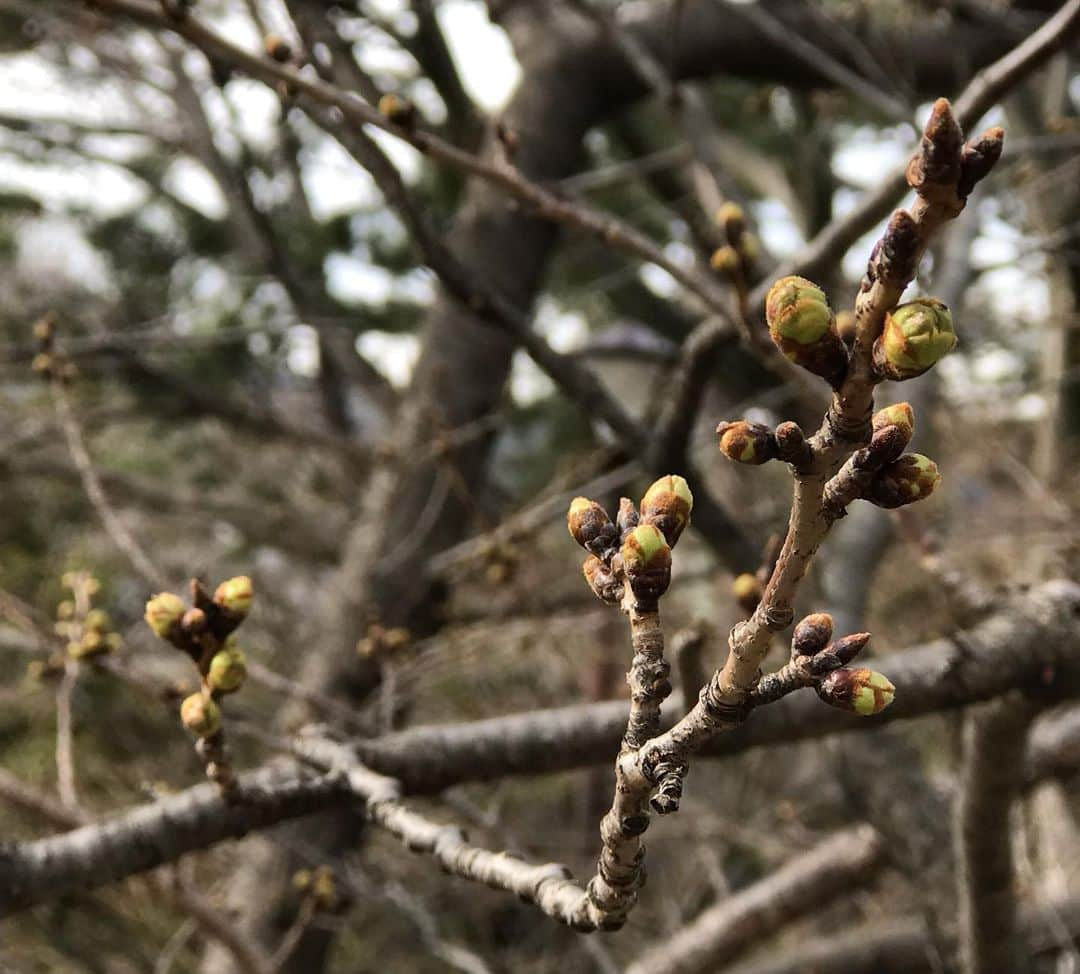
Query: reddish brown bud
{"points": [[839, 653], [667, 505], [278, 48], [978, 157], [590, 526], [745, 442], [627, 519], [812, 634], [398, 110], [935, 168], [886, 445], [193, 621], [791, 444]]}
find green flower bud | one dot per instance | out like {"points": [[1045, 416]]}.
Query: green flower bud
{"points": [[590, 526], [200, 715], [646, 560], [746, 442], [667, 505], [812, 634], [904, 481], [859, 691], [916, 336], [164, 612], [228, 670], [804, 327], [234, 596]]}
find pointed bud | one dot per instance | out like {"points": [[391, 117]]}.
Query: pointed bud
{"points": [[904, 481], [901, 414], [747, 591], [667, 505], [860, 691], [886, 444], [164, 612], [812, 634], [935, 168], [235, 595], [745, 442], [804, 328], [602, 580], [646, 560], [200, 715], [915, 337], [228, 670], [590, 526], [627, 519], [977, 158], [839, 653]]}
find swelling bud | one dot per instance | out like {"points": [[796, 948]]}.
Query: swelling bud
{"points": [[228, 670], [646, 560], [916, 336], [859, 691], [200, 715], [235, 596], [164, 612], [904, 481], [667, 505], [744, 442], [803, 327], [590, 526]]}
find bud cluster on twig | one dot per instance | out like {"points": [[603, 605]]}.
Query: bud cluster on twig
{"points": [[735, 259], [89, 631], [49, 362], [206, 631]]}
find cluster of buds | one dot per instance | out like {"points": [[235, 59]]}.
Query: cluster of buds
{"points": [[635, 549], [49, 362], [822, 662], [381, 642], [89, 631], [804, 328], [320, 887], [206, 631], [736, 258]]}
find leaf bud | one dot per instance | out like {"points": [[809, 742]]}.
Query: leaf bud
{"points": [[164, 612], [228, 669], [915, 337], [590, 526], [667, 505], [602, 580], [859, 691], [838, 653], [745, 442], [904, 481], [235, 595], [812, 634], [803, 326], [200, 715]]}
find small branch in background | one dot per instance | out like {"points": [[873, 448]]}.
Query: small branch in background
{"points": [[687, 646]]}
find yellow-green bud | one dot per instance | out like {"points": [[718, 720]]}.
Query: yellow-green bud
{"points": [[904, 481], [860, 691], [916, 336], [731, 217], [667, 505], [234, 596], [164, 612], [646, 559], [900, 415], [200, 715], [725, 259], [227, 671], [804, 327], [590, 526]]}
